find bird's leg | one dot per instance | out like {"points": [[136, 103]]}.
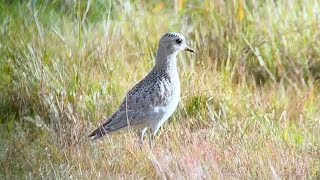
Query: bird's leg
{"points": [[151, 140], [142, 137], [153, 136], [142, 134]]}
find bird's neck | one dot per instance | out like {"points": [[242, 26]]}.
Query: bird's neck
{"points": [[166, 61]]}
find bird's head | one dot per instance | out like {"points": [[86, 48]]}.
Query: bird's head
{"points": [[174, 42]]}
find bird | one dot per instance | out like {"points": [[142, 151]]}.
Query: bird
{"points": [[154, 99]]}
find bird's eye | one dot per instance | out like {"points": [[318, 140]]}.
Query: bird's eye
{"points": [[179, 41]]}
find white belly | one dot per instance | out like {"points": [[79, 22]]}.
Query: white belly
{"points": [[164, 112]]}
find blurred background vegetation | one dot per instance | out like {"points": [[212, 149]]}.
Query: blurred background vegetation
{"points": [[250, 101]]}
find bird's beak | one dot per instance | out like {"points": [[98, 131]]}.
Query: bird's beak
{"points": [[189, 49]]}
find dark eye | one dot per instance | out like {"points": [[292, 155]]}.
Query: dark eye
{"points": [[179, 41]]}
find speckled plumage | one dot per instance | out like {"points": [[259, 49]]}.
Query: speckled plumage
{"points": [[153, 100]]}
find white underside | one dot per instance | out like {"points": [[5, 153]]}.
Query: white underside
{"points": [[164, 113]]}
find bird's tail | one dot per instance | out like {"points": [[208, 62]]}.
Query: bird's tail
{"points": [[109, 126], [98, 133]]}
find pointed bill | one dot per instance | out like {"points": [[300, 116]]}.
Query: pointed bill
{"points": [[189, 49]]}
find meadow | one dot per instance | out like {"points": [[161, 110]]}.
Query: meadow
{"points": [[250, 94]]}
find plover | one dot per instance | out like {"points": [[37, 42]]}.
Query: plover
{"points": [[154, 99]]}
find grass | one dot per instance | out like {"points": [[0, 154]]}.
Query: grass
{"points": [[250, 95]]}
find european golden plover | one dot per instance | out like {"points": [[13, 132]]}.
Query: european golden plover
{"points": [[154, 99]]}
